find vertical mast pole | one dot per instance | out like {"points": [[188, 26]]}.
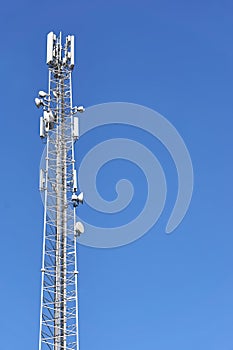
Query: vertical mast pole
{"points": [[58, 183]]}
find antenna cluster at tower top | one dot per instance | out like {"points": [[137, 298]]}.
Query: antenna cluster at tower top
{"points": [[58, 54]]}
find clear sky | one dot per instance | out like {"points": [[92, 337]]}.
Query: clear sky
{"points": [[162, 291]]}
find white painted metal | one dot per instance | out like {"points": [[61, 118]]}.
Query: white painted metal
{"points": [[75, 186], [76, 128], [42, 134], [80, 197], [50, 44], [71, 51], [42, 93], [79, 228], [42, 180], [59, 299], [80, 109]]}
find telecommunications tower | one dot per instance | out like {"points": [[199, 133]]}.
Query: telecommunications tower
{"points": [[58, 186]]}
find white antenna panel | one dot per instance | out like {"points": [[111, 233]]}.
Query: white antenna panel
{"points": [[50, 40], [42, 180], [75, 186], [42, 135], [76, 128], [72, 51]]}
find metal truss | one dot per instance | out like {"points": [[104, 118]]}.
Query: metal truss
{"points": [[59, 300]]}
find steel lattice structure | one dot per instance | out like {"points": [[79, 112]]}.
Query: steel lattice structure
{"points": [[58, 183]]}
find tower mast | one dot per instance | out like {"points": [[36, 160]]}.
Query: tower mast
{"points": [[58, 185]]}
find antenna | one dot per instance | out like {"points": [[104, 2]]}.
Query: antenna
{"points": [[58, 183]]}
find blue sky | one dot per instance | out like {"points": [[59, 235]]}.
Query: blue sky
{"points": [[161, 292]]}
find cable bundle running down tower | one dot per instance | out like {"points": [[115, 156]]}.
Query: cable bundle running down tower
{"points": [[58, 183]]}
